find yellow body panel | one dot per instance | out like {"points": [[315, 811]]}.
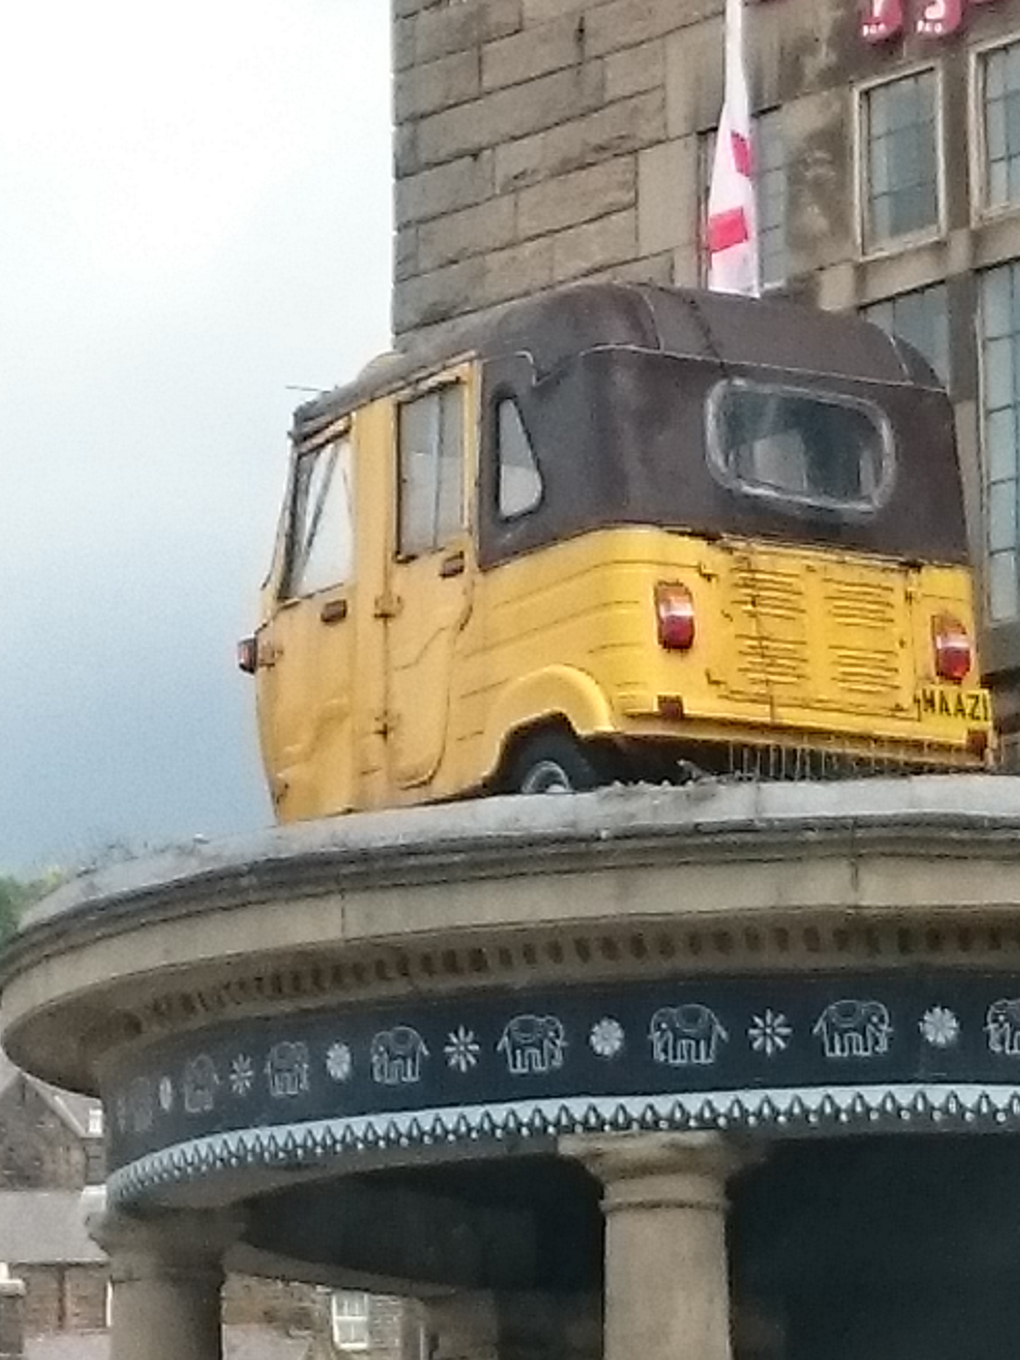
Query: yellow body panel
{"points": [[416, 686]]}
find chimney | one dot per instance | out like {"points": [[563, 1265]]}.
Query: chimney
{"points": [[12, 1316]]}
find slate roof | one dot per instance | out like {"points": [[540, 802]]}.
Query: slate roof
{"points": [[77, 1112], [44, 1227]]}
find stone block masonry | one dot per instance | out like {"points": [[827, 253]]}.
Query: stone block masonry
{"points": [[540, 142]]}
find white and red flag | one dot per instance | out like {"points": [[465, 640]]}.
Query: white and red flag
{"points": [[732, 229]]}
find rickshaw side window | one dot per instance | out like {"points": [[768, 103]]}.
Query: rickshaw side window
{"points": [[808, 447], [321, 549], [520, 481], [430, 457]]}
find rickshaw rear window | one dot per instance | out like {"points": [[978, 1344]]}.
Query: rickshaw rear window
{"points": [[808, 447]]}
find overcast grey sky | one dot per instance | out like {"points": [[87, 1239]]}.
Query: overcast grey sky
{"points": [[194, 213]]}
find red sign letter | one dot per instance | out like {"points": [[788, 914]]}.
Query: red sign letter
{"points": [[939, 18], [881, 20]]}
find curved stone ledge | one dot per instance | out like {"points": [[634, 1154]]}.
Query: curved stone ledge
{"points": [[622, 883], [486, 837]]}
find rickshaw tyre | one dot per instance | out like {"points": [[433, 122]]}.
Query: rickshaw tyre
{"points": [[552, 762]]}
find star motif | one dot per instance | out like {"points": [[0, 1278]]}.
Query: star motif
{"points": [[939, 1027], [242, 1075], [462, 1049], [606, 1037], [769, 1033]]}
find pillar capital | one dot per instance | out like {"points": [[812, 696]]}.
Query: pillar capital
{"points": [[683, 1170], [173, 1242]]}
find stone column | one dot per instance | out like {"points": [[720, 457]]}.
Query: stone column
{"points": [[666, 1276], [166, 1272]]}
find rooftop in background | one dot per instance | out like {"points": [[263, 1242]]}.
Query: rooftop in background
{"points": [[239, 1343], [82, 1114], [45, 1227]]}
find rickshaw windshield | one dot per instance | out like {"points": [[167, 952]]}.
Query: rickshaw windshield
{"points": [[811, 448]]}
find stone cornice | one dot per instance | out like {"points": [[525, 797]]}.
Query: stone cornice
{"points": [[957, 816], [621, 882]]}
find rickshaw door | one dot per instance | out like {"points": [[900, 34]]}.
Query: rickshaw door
{"points": [[307, 647], [428, 602]]}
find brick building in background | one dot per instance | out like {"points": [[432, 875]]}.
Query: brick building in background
{"points": [[544, 141], [52, 1168]]}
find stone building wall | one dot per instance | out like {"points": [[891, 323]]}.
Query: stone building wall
{"points": [[41, 1151], [37, 1148], [544, 141], [529, 148], [288, 1306], [63, 1298]]}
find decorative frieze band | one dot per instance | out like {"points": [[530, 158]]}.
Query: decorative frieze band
{"points": [[706, 1051]]}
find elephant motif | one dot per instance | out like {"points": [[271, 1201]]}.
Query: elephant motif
{"points": [[200, 1082], [854, 1029], [287, 1070], [396, 1056], [533, 1045], [686, 1036], [1002, 1025]]}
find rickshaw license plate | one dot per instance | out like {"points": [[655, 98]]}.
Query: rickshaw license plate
{"points": [[945, 701]]}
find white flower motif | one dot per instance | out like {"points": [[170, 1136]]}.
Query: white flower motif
{"points": [[462, 1049], [769, 1033], [940, 1027], [339, 1061], [242, 1075], [166, 1094], [606, 1037]]}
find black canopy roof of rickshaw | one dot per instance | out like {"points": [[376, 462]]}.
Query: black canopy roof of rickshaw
{"points": [[554, 327], [612, 382]]}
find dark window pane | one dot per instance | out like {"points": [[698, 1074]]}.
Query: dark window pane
{"points": [[902, 158], [800, 446], [1003, 599], [1002, 521], [520, 482], [922, 318], [431, 457], [1000, 445], [321, 548], [1000, 386]]}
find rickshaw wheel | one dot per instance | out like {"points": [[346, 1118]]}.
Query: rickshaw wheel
{"points": [[552, 762]]}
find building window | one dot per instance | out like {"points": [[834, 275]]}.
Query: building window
{"points": [[770, 182], [1000, 97], [349, 1320], [1000, 403], [431, 462], [900, 160], [922, 318], [770, 187]]}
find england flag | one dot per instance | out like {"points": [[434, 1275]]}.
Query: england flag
{"points": [[732, 229]]}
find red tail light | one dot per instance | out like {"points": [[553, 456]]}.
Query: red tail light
{"points": [[674, 612], [248, 655], [952, 647]]}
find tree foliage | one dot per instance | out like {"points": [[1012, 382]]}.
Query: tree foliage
{"points": [[15, 896]]}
